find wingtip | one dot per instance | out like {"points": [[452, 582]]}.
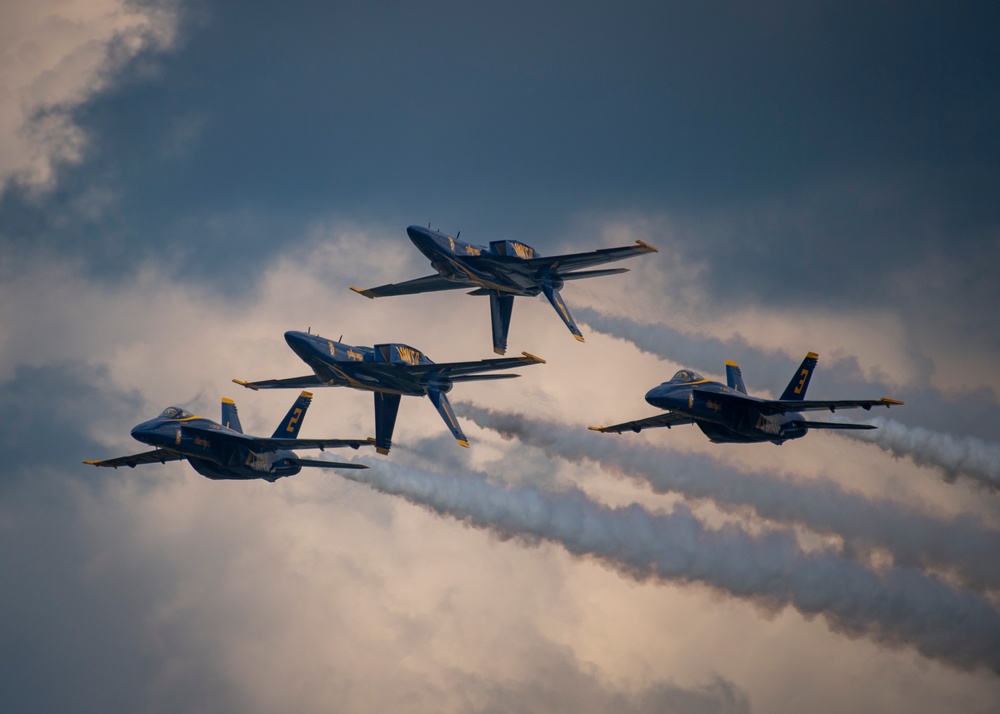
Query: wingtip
{"points": [[246, 384], [578, 338], [463, 442], [359, 291], [891, 402], [532, 359], [647, 246], [92, 463], [596, 428]]}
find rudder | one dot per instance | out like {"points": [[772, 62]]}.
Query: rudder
{"points": [[230, 418], [796, 389], [290, 425]]}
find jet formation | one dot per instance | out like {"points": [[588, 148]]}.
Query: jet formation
{"points": [[224, 452], [727, 414], [503, 271], [391, 370]]}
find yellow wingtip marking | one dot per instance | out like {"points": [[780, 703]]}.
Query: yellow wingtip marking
{"points": [[359, 291], [227, 400], [596, 428], [887, 401], [579, 338], [812, 355], [380, 450], [647, 246], [243, 383], [463, 442], [92, 463], [532, 359]]}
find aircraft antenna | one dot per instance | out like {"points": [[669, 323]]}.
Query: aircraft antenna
{"points": [[309, 330], [341, 338], [457, 235]]}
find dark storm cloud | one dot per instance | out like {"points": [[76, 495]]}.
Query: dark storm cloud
{"points": [[510, 119], [77, 596]]}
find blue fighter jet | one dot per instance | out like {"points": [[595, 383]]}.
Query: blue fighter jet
{"points": [[390, 371], [504, 270], [726, 414], [223, 451]]}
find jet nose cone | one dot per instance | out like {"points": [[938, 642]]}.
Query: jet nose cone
{"points": [[300, 342], [419, 235], [143, 432]]}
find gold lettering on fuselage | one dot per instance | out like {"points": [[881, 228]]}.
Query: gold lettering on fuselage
{"points": [[715, 406], [294, 420], [333, 350], [356, 356], [472, 250], [204, 443], [408, 355]]}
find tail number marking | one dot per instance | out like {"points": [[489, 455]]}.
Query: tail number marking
{"points": [[805, 376], [296, 415]]}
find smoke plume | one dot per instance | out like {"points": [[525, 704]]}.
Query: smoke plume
{"points": [[893, 606], [964, 547]]}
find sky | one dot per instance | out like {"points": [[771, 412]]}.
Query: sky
{"points": [[181, 182]]}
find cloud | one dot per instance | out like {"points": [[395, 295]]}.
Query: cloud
{"points": [[57, 55]]}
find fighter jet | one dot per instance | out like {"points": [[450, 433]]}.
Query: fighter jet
{"points": [[504, 270], [390, 371], [223, 451], [726, 414]]}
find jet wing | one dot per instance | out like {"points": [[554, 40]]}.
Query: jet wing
{"points": [[576, 261], [159, 456], [430, 284], [461, 369], [314, 443], [668, 420], [309, 380], [778, 406]]}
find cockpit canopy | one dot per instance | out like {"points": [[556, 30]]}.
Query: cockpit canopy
{"points": [[686, 375], [175, 413]]}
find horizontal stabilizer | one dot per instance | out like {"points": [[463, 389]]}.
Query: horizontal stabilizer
{"points": [[832, 425], [316, 463]]}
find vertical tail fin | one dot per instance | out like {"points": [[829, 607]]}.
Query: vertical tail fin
{"points": [[501, 307], [796, 389], [386, 409], [290, 425], [441, 403], [230, 418], [734, 377], [552, 293]]}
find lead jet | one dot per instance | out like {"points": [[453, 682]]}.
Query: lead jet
{"points": [[506, 269], [390, 371], [727, 414], [223, 451]]}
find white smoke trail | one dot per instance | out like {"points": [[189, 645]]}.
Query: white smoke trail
{"points": [[965, 547], [895, 606], [968, 456], [956, 456]]}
